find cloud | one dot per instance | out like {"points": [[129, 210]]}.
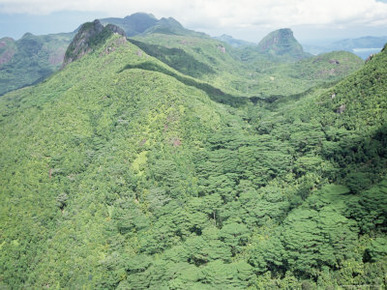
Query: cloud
{"points": [[204, 14]]}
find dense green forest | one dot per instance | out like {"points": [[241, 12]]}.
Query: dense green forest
{"points": [[155, 162], [30, 59]]}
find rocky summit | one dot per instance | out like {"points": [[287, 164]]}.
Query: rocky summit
{"points": [[280, 43]]}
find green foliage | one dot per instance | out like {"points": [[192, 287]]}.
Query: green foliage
{"points": [[31, 59], [122, 172], [176, 58], [328, 66]]}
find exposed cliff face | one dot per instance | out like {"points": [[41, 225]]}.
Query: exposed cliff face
{"points": [[7, 50], [89, 36], [281, 42]]}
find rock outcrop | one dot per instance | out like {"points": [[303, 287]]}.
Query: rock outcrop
{"points": [[281, 43], [89, 36]]}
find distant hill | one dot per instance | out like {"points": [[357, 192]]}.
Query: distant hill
{"points": [[327, 66], [233, 65], [140, 23], [171, 26], [133, 24], [30, 59], [362, 47], [248, 70], [232, 41], [282, 43], [362, 42], [33, 58]]}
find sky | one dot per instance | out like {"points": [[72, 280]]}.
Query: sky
{"points": [[251, 20]]}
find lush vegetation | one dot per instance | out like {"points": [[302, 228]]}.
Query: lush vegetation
{"points": [[267, 70], [124, 171], [248, 71], [30, 59]]}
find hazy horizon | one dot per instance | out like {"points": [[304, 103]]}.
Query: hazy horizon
{"points": [[248, 20]]}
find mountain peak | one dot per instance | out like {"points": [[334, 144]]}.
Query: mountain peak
{"points": [[281, 42], [170, 21], [143, 23], [90, 35], [133, 24], [141, 15], [27, 35], [167, 26]]}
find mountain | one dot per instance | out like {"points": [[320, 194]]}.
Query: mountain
{"points": [[142, 23], [232, 41], [30, 59], [282, 43], [107, 103], [243, 71], [89, 36], [362, 47], [133, 24], [329, 66], [121, 171], [362, 42], [171, 26]]}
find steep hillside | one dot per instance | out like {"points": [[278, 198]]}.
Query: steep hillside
{"points": [[339, 135], [120, 171], [30, 59], [88, 38], [95, 114], [246, 71]]}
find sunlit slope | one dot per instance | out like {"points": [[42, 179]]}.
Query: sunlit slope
{"points": [[72, 148], [248, 71], [339, 135], [122, 171]]}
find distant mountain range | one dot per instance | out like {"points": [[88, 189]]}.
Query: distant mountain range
{"points": [[143, 23], [362, 47], [32, 58]]}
